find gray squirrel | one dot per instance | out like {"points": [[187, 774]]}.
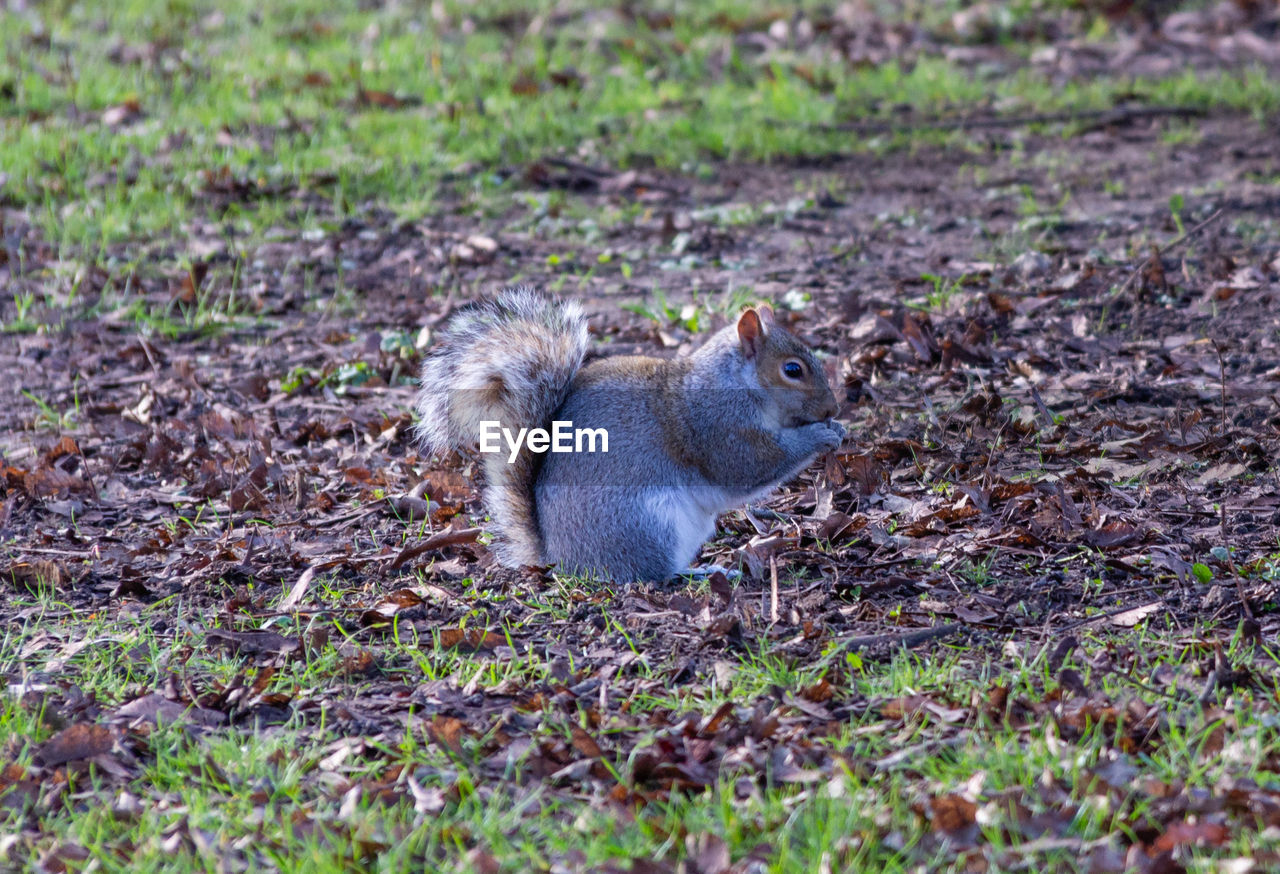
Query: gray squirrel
{"points": [[687, 438]]}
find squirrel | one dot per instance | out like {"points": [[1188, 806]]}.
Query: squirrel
{"points": [[684, 439]]}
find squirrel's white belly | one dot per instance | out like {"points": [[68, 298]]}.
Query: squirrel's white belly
{"points": [[691, 512]]}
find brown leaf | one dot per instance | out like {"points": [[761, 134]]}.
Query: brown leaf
{"points": [[708, 854], [483, 862], [566, 78], [1153, 274], [447, 732], [1161, 863], [122, 113], [360, 664], [383, 99], [35, 575], [156, 708], [82, 740], [63, 857], [585, 744], [717, 719], [401, 599], [722, 589], [390, 605], [446, 485], [524, 85], [253, 642], [916, 705], [867, 473], [1196, 834], [53, 482], [17, 789], [299, 590], [918, 337], [1111, 535], [820, 692], [247, 496], [185, 290], [950, 813], [838, 523], [470, 639], [64, 446]]}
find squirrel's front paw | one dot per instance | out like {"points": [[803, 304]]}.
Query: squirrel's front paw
{"points": [[834, 435], [826, 435]]}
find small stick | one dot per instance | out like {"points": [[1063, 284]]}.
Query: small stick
{"points": [[439, 540], [906, 641], [1114, 115], [1222, 380], [1099, 617], [1168, 247], [1240, 593], [1217, 214], [1215, 678], [1043, 408], [773, 589]]}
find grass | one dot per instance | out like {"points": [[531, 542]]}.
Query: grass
{"points": [[266, 797], [128, 122], [136, 132]]}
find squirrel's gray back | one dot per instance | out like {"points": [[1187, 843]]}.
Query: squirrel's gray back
{"points": [[639, 511]]}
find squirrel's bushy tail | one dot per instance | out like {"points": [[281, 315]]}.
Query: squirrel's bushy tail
{"points": [[509, 360]]}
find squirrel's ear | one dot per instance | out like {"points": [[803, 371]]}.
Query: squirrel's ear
{"points": [[750, 332], [766, 313]]}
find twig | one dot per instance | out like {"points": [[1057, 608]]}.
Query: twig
{"points": [[1101, 116], [296, 612], [1161, 251], [1043, 408], [1175, 243], [601, 175], [877, 565], [1100, 616], [917, 752], [1222, 384], [1211, 683], [350, 516], [1218, 676], [451, 537], [906, 640], [773, 588], [1240, 593]]}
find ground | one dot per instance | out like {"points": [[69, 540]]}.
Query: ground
{"points": [[1024, 619]]}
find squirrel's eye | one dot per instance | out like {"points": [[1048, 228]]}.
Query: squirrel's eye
{"points": [[793, 370]]}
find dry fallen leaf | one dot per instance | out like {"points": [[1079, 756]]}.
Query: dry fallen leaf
{"points": [[75, 742], [1130, 618]]}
